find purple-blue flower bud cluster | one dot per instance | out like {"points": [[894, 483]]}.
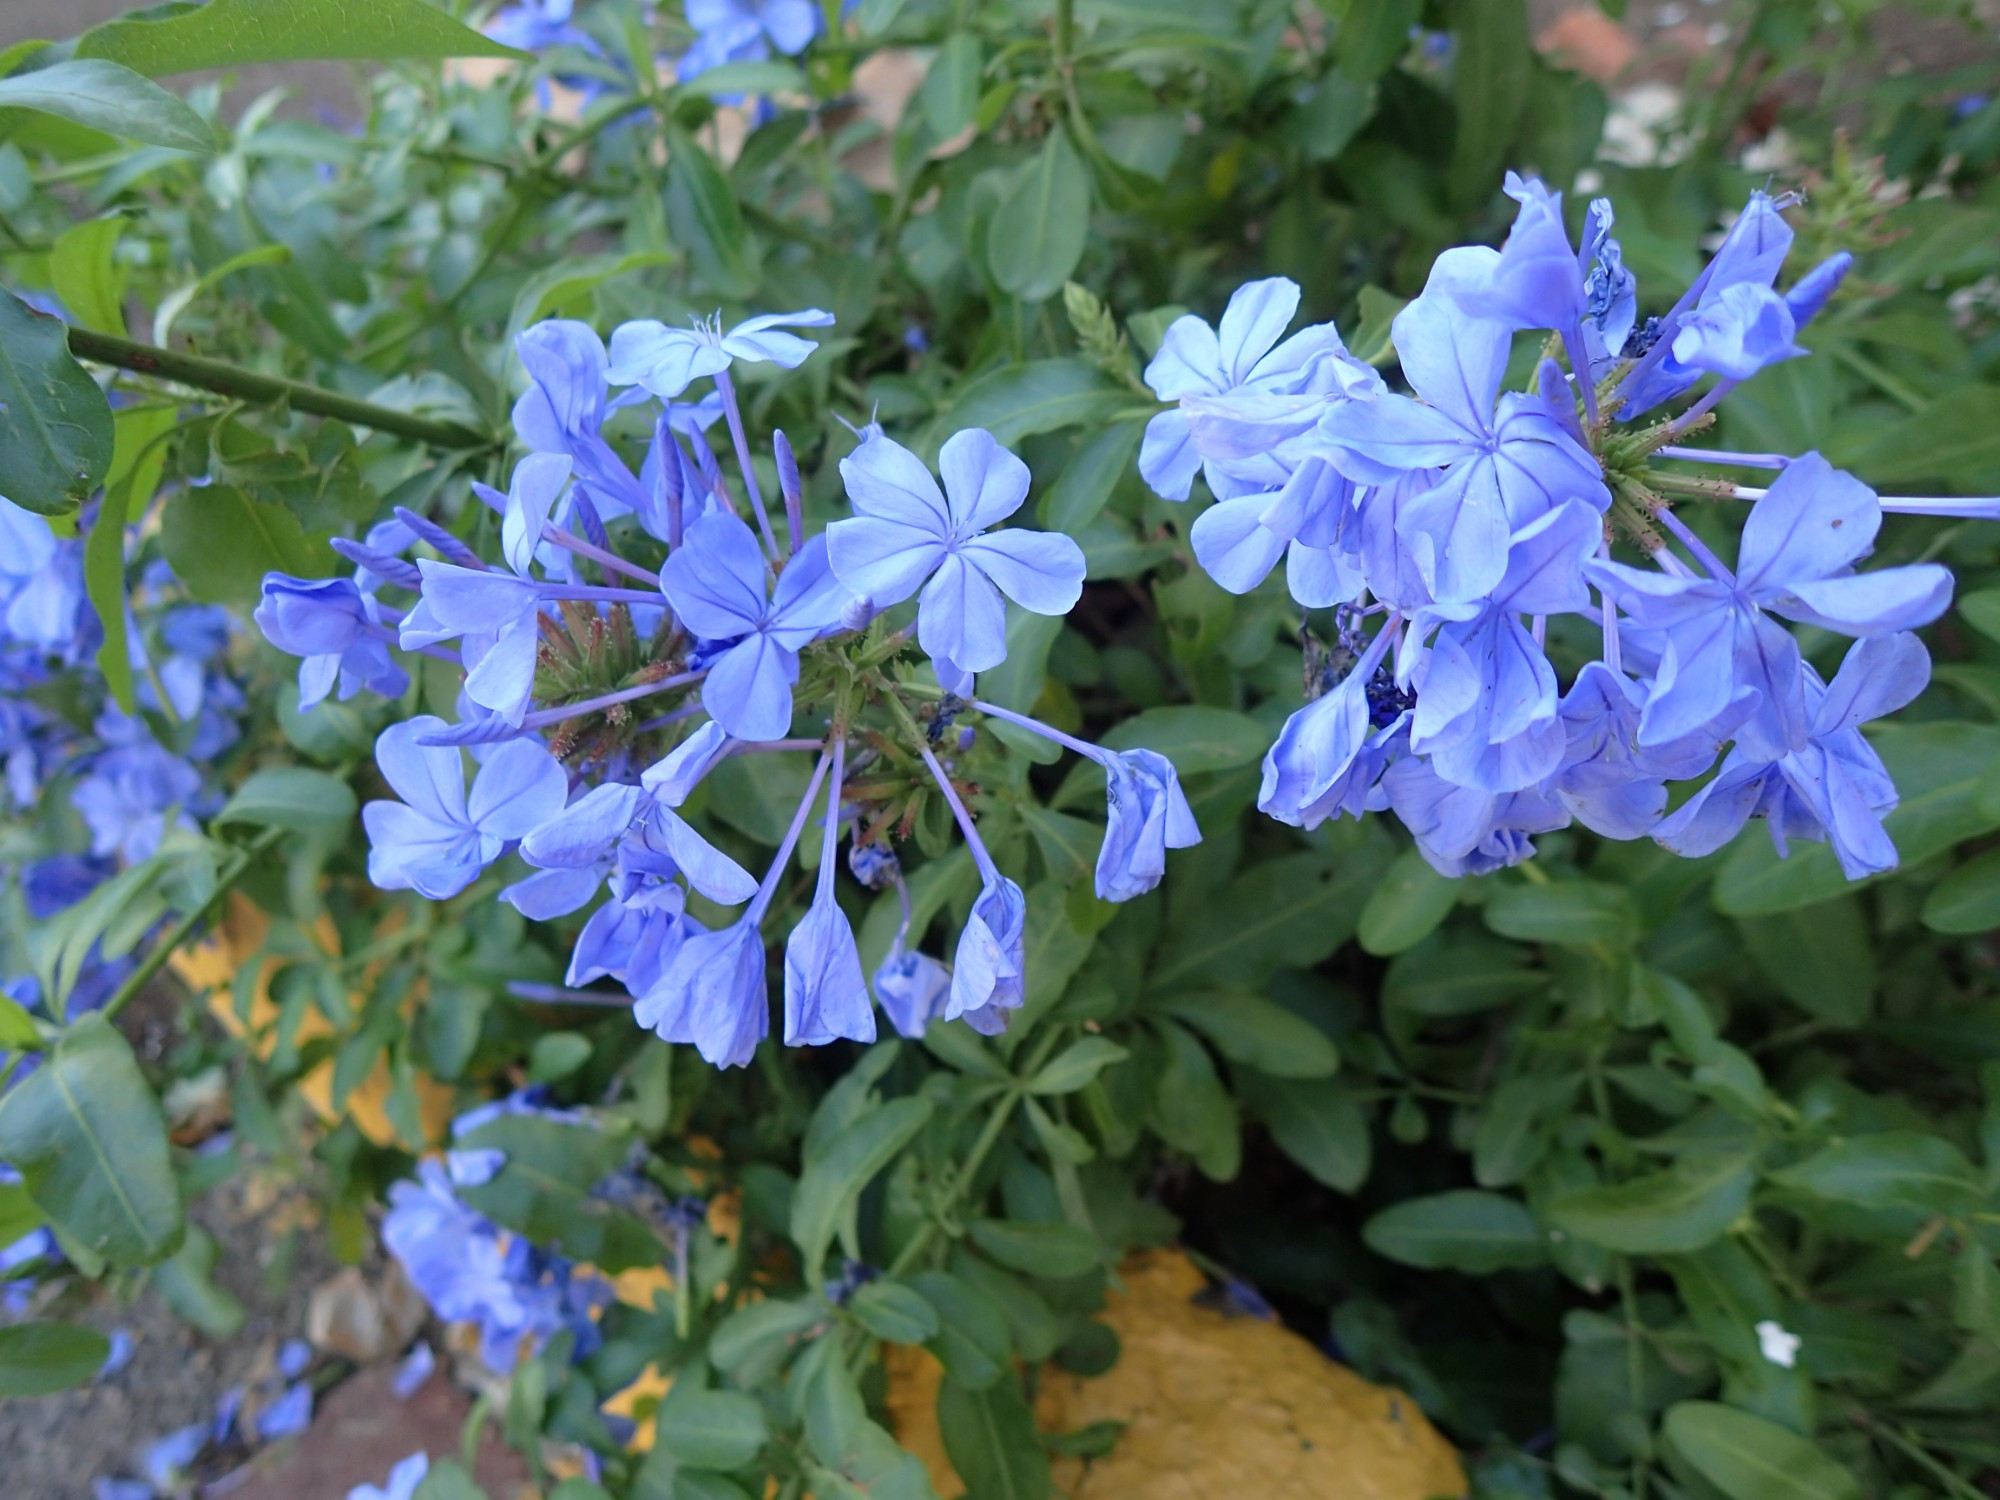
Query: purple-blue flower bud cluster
{"points": [[1461, 518]]}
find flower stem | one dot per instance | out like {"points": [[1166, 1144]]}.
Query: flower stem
{"points": [[265, 390], [734, 414]]}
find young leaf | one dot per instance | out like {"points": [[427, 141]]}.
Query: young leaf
{"points": [[1053, 1251], [293, 797], [713, 1429], [850, 1161], [1078, 1063], [894, 1312]]}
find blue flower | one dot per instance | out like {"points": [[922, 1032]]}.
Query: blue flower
{"points": [[1831, 789], [1329, 756], [337, 629], [1738, 332], [989, 973], [730, 31], [1243, 360], [497, 615], [905, 531], [127, 796], [1486, 695], [1311, 520], [290, 1414], [1464, 831], [538, 482], [437, 839], [652, 844], [825, 994], [404, 1480], [1501, 469], [1609, 781], [717, 583], [1795, 559], [712, 994], [667, 360], [912, 988]]}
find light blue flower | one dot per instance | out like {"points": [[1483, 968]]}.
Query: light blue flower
{"points": [[905, 531], [718, 583], [339, 632], [437, 839], [826, 996], [644, 834], [666, 361], [1832, 789]]}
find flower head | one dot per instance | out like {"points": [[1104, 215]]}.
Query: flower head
{"points": [[339, 632], [906, 534], [666, 361], [438, 838]]}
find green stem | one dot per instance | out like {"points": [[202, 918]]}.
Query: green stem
{"points": [[1915, 1451], [1003, 1112], [184, 929], [248, 385]]}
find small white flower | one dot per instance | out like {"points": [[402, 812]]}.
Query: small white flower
{"points": [[1778, 1346]]}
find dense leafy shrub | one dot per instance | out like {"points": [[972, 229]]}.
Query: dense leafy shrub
{"points": [[1644, 1174]]}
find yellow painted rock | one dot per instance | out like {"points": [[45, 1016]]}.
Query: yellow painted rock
{"points": [[1218, 1408], [212, 964]]}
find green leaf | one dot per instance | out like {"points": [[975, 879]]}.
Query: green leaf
{"points": [[1192, 1111], [1938, 768], [85, 270], [1047, 1250], [1572, 913], [1674, 1212], [1288, 912], [1017, 401], [1968, 899], [876, 16], [1514, 1127], [755, 1340], [108, 97], [543, 1190], [950, 91], [557, 1054], [176, 302], [1371, 341], [447, 1480], [972, 1341], [1981, 610], [39, 1358], [186, 1280], [1955, 441], [1320, 1126], [1076, 1065], [1406, 907], [137, 458], [553, 288], [1490, 77], [989, 1435], [18, 1032], [1037, 233], [230, 33], [85, 1132], [220, 544], [55, 425], [1891, 1169], [1332, 114], [755, 794], [294, 797], [1819, 956], [1194, 739], [1461, 1231], [850, 1160], [894, 1312], [1086, 482], [703, 214], [1250, 1029], [1749, 1457], [713, 1429]]}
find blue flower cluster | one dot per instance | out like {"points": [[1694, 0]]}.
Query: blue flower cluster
{"points": [[88, 789], [694, 594], [470, 1270], [1459, 518]]}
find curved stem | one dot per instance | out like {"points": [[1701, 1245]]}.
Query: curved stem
{"points": [[266, 390]]}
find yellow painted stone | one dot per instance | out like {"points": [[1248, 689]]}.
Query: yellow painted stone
{"points": [[1217, 1406], [212, 964]]}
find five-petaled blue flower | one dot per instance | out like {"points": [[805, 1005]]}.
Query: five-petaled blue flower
{"points": [[666, 361], [904, 532]]}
